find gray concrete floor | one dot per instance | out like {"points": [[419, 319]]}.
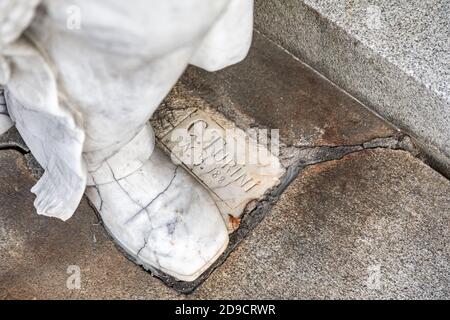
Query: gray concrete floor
{"points": [[364, 218]]}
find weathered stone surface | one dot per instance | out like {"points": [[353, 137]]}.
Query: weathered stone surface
{"points": [[283, 257], [36, 251], [230, 93], [308, 111], [272, 89], [392, 55], [338, 221]]}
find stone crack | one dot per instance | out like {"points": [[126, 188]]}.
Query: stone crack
{"points": [[302, 157], [145, 208]]}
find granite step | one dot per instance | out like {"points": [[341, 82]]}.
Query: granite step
{"points": [[391, 55]]}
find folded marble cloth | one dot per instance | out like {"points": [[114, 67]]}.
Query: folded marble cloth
{"points": [[15, 16], [33, 101]]}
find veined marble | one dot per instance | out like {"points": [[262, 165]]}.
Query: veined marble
{"points": [[81, 94]]}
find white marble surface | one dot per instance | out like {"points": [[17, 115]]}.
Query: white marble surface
{"points": [[15, 16], [126, 161], [163, 218]]}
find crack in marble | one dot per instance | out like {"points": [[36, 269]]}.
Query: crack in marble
{"points": [[152, 229], [121, 187], [97, 188], [143, 247], [118, 179], [108, 147], [145, 208]]}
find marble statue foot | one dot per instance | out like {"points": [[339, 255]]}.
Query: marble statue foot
{"points": [[162, 217]]}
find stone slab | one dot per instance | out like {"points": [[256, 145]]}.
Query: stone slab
{"points": [[375, 224], [271, 89]]}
